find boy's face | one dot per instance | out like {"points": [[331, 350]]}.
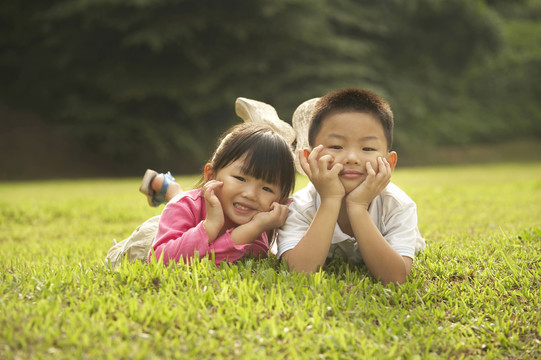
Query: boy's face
{"points": [[353, 139]]}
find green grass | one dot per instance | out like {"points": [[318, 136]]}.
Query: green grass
{"points": [[473, 293]]}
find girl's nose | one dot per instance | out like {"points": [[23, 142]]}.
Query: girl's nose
{"points": [[249, 192]]}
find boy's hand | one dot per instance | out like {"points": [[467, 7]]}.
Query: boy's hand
{"points": [[372, 186], [325, 180], [215, 215]]}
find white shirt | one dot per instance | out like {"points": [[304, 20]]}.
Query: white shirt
{"points": [[393, 212]]}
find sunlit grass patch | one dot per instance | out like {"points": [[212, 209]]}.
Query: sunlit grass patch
{"points": [[474, 292]]}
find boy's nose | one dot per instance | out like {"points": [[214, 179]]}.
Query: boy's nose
{"points": [[352, 157]]}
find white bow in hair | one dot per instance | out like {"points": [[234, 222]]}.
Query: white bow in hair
{"points": [[259, 112]]}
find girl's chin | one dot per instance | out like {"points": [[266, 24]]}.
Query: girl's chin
{"points": [[236, 221]]}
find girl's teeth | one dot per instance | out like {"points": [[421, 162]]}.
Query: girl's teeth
{"points": [[238, 206]]}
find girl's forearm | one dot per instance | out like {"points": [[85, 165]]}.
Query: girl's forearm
{"points": [[245, 234]]}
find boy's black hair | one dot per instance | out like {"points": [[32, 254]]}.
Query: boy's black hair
{"points": [[352, 100], [268, 156]]}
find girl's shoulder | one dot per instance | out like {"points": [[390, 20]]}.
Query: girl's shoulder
{"points": [[189, 202], [193, 196]]}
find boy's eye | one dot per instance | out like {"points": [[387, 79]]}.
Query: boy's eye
{"points": [[240, 178]]}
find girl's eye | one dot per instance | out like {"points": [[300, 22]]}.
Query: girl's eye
{"points": [[369, 149], [335, 147], [240, 178], [268, 189]]}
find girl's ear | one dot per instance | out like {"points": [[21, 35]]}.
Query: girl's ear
{"points": [[392, 158], [208, 174]]}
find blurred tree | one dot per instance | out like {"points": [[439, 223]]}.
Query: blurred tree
{"points": [[153, 82]]}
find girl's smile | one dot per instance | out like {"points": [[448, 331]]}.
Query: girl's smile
{"points": [[242, 196]]}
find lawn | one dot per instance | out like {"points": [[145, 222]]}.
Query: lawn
{"points": [[473, 293]]}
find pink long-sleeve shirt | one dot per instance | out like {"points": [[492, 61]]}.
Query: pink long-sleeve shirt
{"points": [[181, 233]]}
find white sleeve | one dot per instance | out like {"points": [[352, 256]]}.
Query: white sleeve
{"points": [[298, 220], [401, 231]]}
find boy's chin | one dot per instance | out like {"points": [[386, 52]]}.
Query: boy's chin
{"points": [[350, 185]]}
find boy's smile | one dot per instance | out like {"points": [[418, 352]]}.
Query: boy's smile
{"points": [[353, 139]]}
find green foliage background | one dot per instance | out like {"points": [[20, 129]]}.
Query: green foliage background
{"points": [[100, 87]]}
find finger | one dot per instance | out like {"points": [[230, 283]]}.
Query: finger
{"points": [[313, 159], [283, 214], [303, 161], [370, 169], [314, 154], [324, 163], [387, 166], [381, 167], [215, 184], [384, 168], [336, 169]]}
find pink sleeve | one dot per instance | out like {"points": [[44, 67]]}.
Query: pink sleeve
{"points": [[225, 249], [181, 233]]}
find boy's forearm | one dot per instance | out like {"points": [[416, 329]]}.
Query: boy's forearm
{"points": [[382, 261], [311, 251]]}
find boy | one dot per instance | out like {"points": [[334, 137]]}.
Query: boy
{"points": [[350, 209]]}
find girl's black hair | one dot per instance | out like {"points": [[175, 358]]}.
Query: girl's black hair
{"points": [[268, 156]]}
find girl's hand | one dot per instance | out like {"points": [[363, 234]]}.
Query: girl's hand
{"points": [[272, 219], [372, 186], [215, 215], [322, 175], [261, 222]]}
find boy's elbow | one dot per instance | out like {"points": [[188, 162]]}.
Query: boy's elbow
{"points": [[397, 280], [296, 265], [400, 276]]}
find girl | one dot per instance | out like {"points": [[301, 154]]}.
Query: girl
{"points": [[244, 187]]}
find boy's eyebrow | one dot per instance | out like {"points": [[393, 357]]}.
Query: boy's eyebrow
{"points": [[338, 136]]}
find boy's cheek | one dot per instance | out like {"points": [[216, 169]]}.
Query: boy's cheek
{"points": [[375, 166]]}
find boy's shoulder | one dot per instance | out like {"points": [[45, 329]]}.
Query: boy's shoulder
{"points": [[393, 192], [393, 199], [305, 201], [306, 195]]}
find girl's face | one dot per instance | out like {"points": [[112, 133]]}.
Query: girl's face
{"points": [[242, 196]]}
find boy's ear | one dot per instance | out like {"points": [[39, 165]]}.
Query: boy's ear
{"points": [[208, 174], [392, 158]]}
